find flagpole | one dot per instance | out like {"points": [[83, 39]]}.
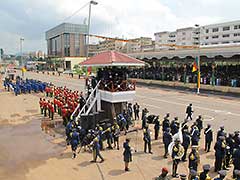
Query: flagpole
{"points": [[198, 75]]}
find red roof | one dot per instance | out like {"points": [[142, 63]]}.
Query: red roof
{"points": [[112, 58]]}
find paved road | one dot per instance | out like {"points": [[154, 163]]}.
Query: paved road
{"points": [[216, 110]]}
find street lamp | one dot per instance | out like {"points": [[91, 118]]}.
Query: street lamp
{"points": [[89, 17], [21, 53]]}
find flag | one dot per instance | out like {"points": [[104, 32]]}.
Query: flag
{"points": [[195, 65]]}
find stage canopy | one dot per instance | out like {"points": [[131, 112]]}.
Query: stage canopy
{"points": [[111, 58]]}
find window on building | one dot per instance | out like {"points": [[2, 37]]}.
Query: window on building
{"points": [[236, 34], [225, 35], [237, 27], [236, 41], [214, 43], [225, 42], [183, 43], [207, 30], [226, 28], [183, 38], [214, 37], [183, 33], [207, 37], [215, 30]]}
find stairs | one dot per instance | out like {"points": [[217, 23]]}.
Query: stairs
{"points": [[90, 114]]}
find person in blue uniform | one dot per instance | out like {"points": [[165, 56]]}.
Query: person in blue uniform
{"points": [[204, 175], [167, 139], [68, 131], [189, 112], [221, 132], [193, 159], [186, 143], [193, 175], [220, 153], [96, 150], [74, 142], [166, 122], [236, 159], [222, 175], [156, 128], [199, 123], [127, 154], [195, 135], [176, 151], [208, 138], [147, 139]]}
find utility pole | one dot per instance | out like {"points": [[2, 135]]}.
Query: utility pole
{"points": [[21, 53], [89, 21]]}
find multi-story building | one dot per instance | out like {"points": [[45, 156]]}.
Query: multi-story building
{"points": [[220, 34], [214, 34], [67, 43], [137, 44], [110, 45]]}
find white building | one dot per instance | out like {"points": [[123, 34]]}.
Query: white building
{"points": [[220, 34], [209, 35]]}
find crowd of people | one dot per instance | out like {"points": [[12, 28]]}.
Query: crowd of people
{"points": [[177, 139], [62, 101], [24, 86], [114, 79], [224, 75]]}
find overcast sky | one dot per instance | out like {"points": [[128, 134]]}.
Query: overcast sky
{"points": [[123, 18]]}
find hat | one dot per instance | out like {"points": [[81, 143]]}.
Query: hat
{"points": [[183, 176], [237, 172], [221, 137], [206, 167], [222, 173], [164, 169], [193, 172]]}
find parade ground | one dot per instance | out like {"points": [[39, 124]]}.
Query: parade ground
{"points": [[28, 151]]}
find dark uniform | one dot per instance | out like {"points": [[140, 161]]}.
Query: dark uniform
{"points": [[166, 123], [189, 112], [195, 135], [167, 139], [186, 143], [96, 150], [236, 158], [221, 132], [156, 129], [147, 140], [136, 108], [176, 151], [220, 153], [229, 149], [204, 175], [199, 123], [174, 126], [222, 175], [193, 175], [194, 159], [127, 154], [74, 142], [208, 138]]}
